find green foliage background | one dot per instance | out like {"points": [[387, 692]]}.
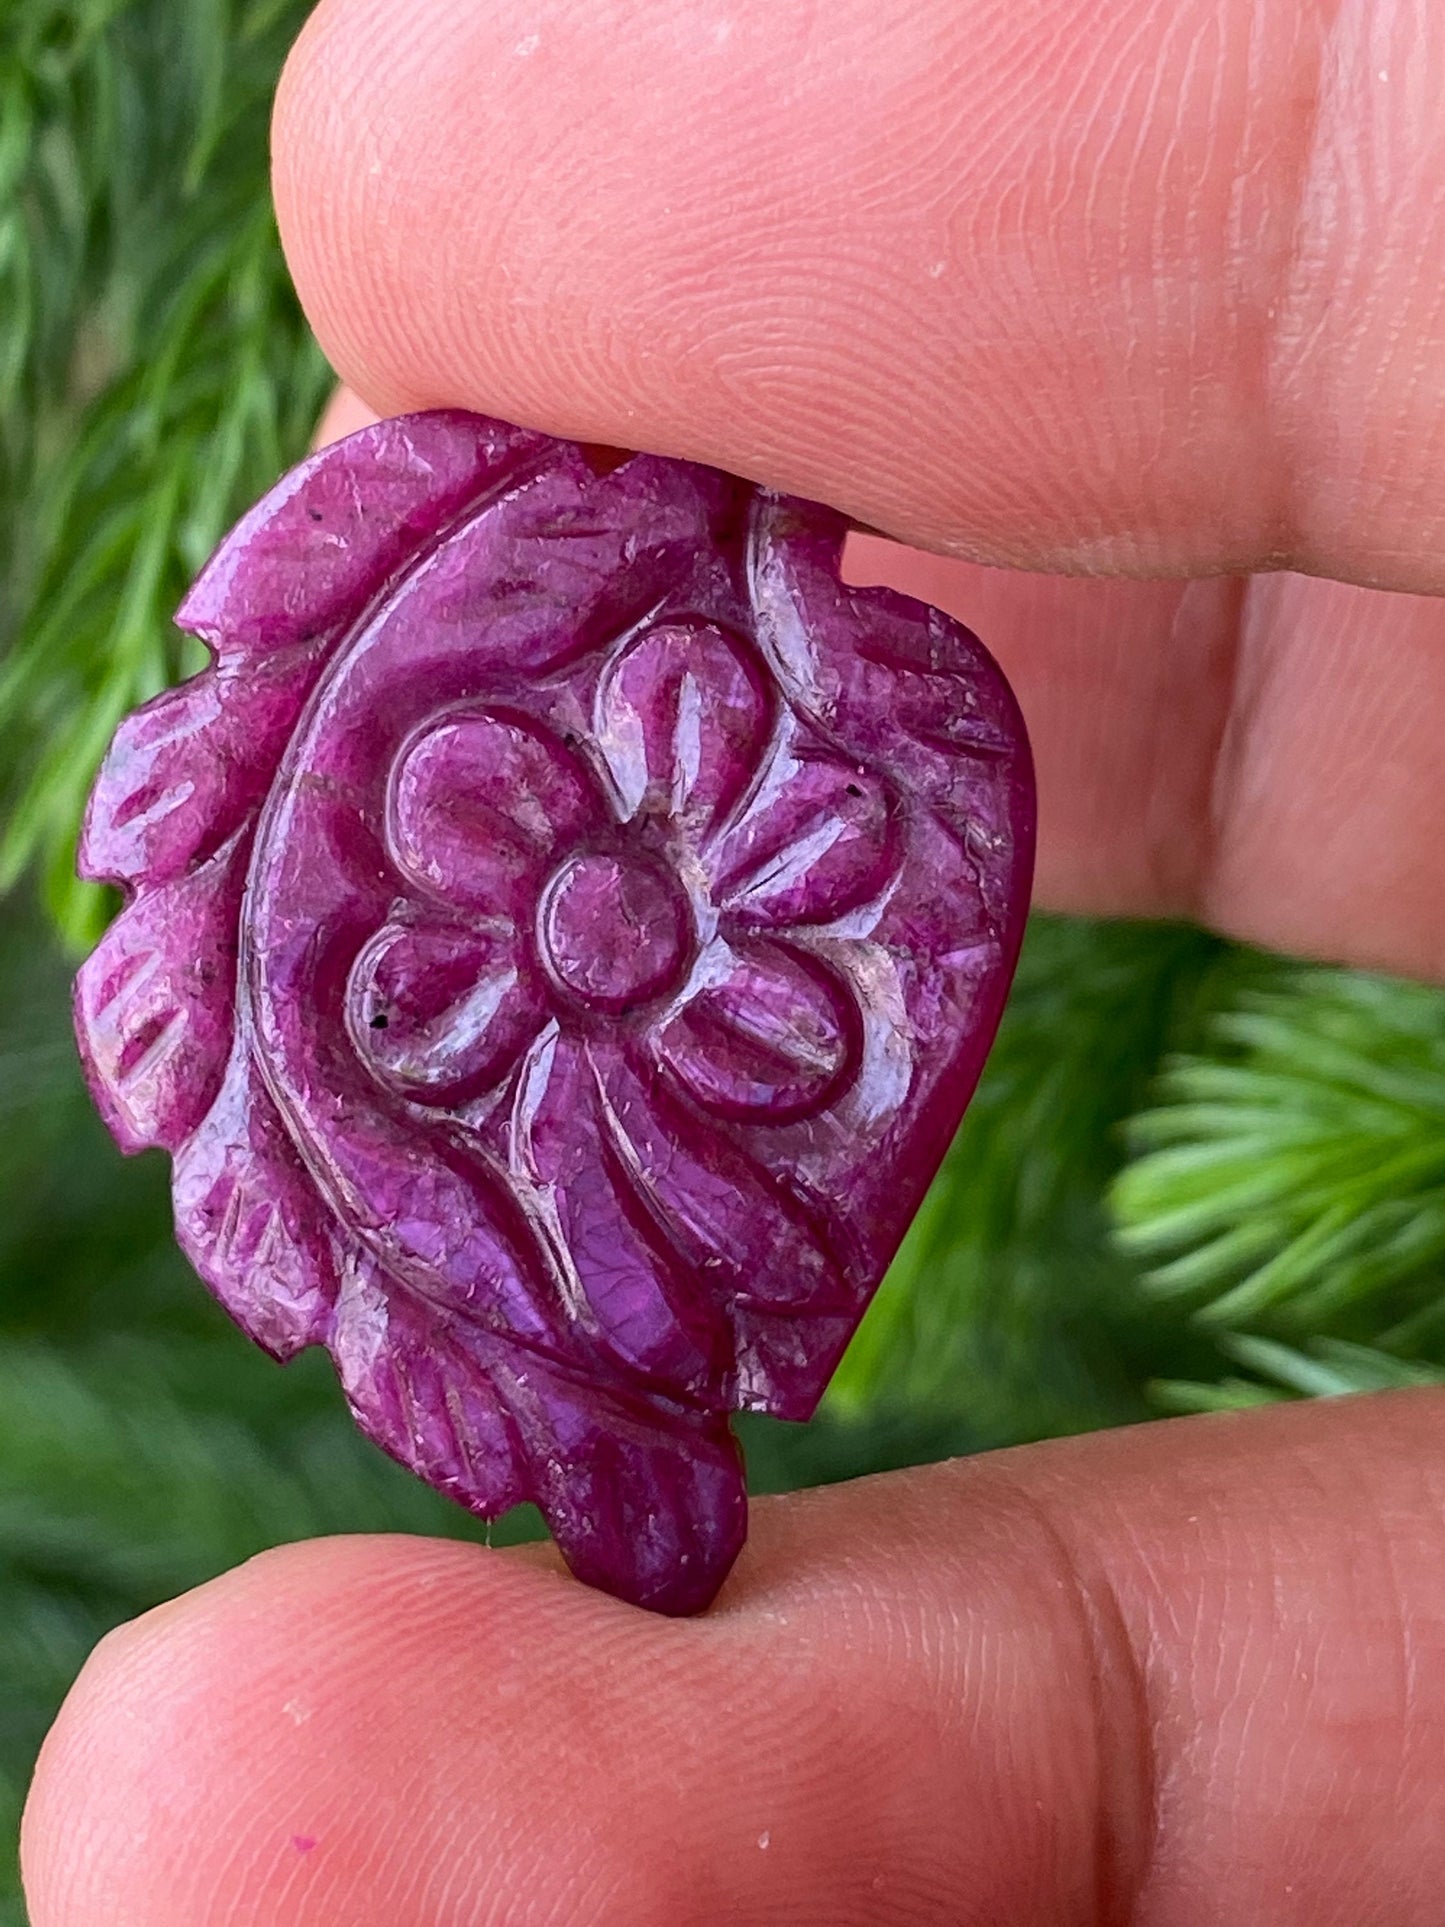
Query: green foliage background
{"points": [[1194, 1177]]}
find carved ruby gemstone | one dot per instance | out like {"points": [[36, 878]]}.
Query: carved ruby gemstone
{"points": [[565, 926]]}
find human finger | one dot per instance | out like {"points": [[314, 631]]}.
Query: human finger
{"points": [[1139, 287], [1189, 1675]]}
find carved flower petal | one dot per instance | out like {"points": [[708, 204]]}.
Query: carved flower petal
{"points": [[816, 841], [623, 1275], [155, 1000], [482, 806], [682, 718], [440, 1013], [249, 1219], [767, 1038]]}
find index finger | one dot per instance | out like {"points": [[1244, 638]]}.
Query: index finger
{"points": [[1114, 286]]}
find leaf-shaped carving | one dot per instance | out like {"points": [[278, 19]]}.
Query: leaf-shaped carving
{"points": [[152, 1004], [421, 1384], [553, 968], [623, 1271], [916, 688], [249, 1218], [762, 1251], [490, 1423], [614, 1471], [310, 556], [191, 768]]}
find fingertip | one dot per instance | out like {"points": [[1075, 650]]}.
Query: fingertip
{"points": [[772, 264], [386, 1733], [231, 1757], [1190, 1670], [1048, 287]]}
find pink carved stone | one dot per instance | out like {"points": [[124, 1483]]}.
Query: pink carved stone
{"points": [[565, 926]]}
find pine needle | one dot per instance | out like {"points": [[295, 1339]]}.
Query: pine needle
{"points": [[1325, 1368], [155, 374], [1292, 1181]]}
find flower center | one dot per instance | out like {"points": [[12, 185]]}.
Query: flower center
{"points": [[613, 931]]}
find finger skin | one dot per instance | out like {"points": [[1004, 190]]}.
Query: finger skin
{"points": [[1189, 1675], [1150, 286]]}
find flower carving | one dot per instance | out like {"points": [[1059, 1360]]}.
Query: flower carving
{"points": [[564, 928], [660, 887]]}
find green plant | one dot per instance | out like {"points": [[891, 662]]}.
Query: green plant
{"points": [[155, 372], [1292, 1179]]}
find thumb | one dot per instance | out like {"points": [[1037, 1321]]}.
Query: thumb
{"points": [[1191, 1675]]}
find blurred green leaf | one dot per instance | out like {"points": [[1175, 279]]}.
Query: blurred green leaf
{"points": [[1291, 1180], [1326, 1368], [155, 373]]}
